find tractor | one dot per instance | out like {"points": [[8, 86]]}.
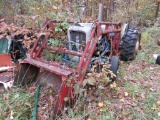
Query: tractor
{"points": [[72, 58]]}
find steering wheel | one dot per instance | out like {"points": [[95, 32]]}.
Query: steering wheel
{"points": [[72, 46]]}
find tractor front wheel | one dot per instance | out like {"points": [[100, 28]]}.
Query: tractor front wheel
{"points": [[114, 66]]}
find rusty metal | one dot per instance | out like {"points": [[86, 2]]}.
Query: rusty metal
{"points": [[6, 76], [48, 67], [96, 32], [5, 60], [63, 50]]}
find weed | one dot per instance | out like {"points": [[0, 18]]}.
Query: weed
{"points": [[18, 100]]}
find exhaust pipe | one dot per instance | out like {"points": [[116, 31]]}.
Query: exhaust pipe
{"points": [[100, 12]]}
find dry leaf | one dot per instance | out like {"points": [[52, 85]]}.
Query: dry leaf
{"points": [[151, 68], [16, 96], [158, 102], [98, 111], [123, 100], [1, 20], [50, 90], [142, 95], [101, 104], [89, 74], [126, 94], [113, 85], [66, 99], [5, 113], [91, 81]]}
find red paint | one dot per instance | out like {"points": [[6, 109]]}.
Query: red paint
{"points": [[63, 50], [5, 60]]}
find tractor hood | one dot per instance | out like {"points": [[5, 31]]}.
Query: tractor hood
{"points": [[85, 28]]}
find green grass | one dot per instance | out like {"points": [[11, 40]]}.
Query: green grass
{"points": [[19, 101]]}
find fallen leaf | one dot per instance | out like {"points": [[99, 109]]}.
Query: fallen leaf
{"points": [[16, 96], [101, 104], [89, 74], [123, 100], [91, 81], [153, 78], [98, 111], [50, 90], [65, 109], [151, 68], [126, 94], [151, 89], [5, 113], [1, 20], [124, 113], [66, 99], [101, 87], [113, 85], [158, 102], [84, 82], [28, 104]]}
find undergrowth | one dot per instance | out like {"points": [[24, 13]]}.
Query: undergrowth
{"points": [[18, 100]]}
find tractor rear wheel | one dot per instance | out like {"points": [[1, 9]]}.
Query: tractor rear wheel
{"points": [[114, 66], [130, 45]]}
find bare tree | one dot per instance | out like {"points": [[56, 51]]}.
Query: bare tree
{"points": [[158, 4]]}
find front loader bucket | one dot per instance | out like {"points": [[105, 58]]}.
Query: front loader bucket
{"points": [[53, 84]]}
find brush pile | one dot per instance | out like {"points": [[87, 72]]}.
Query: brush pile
{"points": [[26, 36]]}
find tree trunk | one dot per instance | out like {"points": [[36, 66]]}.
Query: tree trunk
{"points": [[158, 4]]}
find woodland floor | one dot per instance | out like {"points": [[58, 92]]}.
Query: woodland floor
{"points": [[137, 94]]}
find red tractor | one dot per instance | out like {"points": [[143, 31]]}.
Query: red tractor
{"points": [[87, 42]]}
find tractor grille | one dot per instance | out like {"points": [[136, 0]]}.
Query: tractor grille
{"points": [[79, 38]]}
